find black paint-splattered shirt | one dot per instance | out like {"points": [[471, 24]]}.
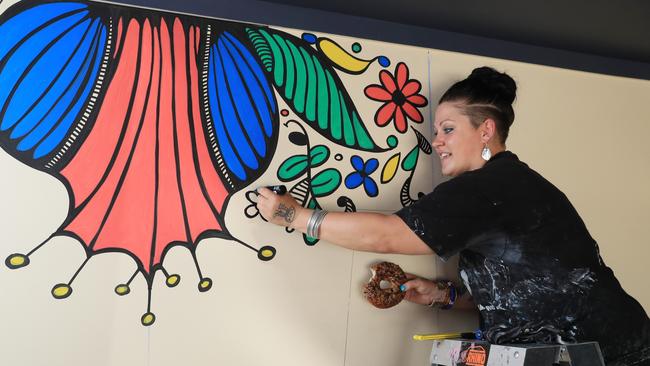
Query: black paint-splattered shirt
{"points": [[528, 260]]}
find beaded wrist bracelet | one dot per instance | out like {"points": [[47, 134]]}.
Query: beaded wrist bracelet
{"points": [[450, 297]]}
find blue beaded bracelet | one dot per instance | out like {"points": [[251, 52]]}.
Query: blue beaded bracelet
{"points": [[452, 297]]}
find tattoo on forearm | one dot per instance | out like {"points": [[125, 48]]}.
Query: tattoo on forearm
{"points": [[288, 212]]}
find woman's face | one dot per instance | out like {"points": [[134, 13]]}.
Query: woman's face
{"points": [[457, 142]]}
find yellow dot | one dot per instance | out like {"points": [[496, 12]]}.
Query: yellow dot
{"points": [[173, 280], [205, 284], [148, 319], [266, 253], [61, 291], [15, 261], [122, 289]]}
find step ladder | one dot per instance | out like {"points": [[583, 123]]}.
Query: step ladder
{"points": [[466, 352]]}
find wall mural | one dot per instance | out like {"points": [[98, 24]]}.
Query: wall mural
{"points": [[153, 120]]}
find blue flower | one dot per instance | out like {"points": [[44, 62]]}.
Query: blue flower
{"points": [[362, 175]]}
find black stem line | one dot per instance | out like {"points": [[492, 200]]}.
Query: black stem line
{"points": [[196, 263], [39, 246], [132, 277], [78, 270]]}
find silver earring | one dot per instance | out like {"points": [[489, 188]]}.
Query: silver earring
{"points": [[486, 154]]}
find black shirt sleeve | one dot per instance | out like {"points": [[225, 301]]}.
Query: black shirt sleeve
{"points": [[453, 217]]}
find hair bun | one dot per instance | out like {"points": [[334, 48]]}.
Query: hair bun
{"points": [[496, 82]]}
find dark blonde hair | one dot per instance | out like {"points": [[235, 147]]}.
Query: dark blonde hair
{"points": [[486, 93]]}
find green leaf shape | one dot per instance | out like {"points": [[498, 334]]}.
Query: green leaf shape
{"points": [[411, 159], [318, 155], [326, 182], [309, 240], [311, 87], [262, 48], [293, 167]]}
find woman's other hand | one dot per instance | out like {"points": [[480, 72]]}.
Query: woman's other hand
{"points": [[422, 291]]}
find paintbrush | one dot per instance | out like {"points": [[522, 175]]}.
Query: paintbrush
{"points": [[438, 336]]}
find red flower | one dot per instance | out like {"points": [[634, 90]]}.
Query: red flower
{"points": [[401, 98]]}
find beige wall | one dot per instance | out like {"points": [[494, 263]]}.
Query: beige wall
{"points": [[586, 133]]}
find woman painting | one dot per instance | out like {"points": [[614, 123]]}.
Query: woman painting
{"points": [[525, 256]]}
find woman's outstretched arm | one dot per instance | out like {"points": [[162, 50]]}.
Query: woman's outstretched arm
{"points": [[363, 231]]}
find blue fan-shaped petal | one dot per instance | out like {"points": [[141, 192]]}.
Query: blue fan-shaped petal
{"points": [[230, 121], [371, 166], [20, 63], [75, 68], [21, 25], [58, 112], [245, 107], [259, 76], [50, 56], [353, 180], [357, 163], [370, 187], [40, 81], [263, 103], [215, 83], [62, 129], [242, 105]]}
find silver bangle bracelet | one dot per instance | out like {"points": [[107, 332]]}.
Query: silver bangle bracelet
{"points": [[319, 221], [311, 222], [314, 223]]}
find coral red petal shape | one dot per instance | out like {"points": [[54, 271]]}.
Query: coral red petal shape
{"points": [[400, 120], [387, 81], [143, 179], [376, 92], [411, 87], [170, 217], [401, 75], [385, 114], [95, 155], [94, 173], [417, 100], [412, 112]]}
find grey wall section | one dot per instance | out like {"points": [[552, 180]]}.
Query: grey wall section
{"points": [[321, 21]]}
